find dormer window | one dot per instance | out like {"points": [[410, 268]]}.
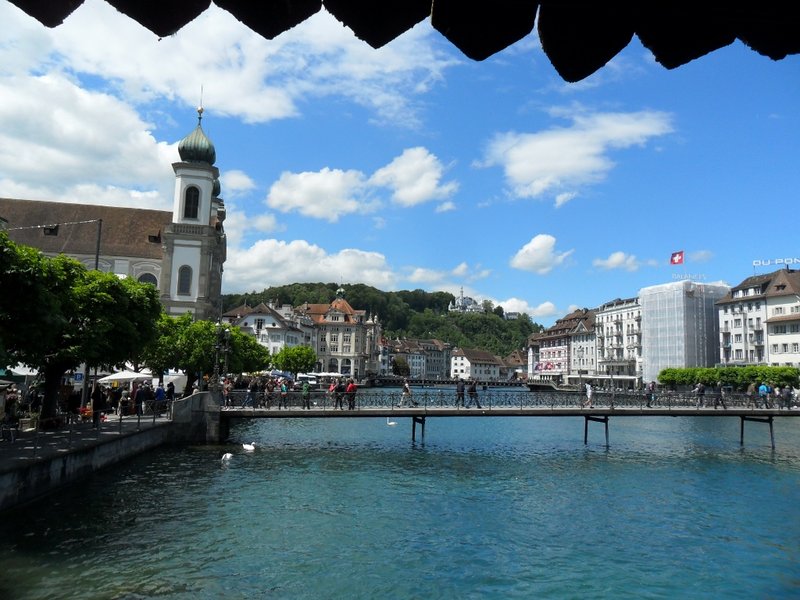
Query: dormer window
{"points": [[191, 203]]}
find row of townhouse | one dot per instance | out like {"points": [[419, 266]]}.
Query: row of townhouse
{"points": [[627, 342], [436, 360]]}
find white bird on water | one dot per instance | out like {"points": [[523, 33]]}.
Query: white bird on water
{"points": [[226, 457], [249, 447], [388, 422]]}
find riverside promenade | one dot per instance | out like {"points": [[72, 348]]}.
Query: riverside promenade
{"points": [[37, 463]]}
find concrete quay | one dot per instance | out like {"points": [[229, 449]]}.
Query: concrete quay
{"points": [[37, 463]]}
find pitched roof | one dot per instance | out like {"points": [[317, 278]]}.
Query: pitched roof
{"points": [[578, 37], [783, 282], [319, 312], [124, 231], [478, 356]]}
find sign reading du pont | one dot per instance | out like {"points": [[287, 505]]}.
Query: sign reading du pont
{"points": [[776, 262]]}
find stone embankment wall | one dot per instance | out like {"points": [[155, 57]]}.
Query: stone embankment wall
{"points": [[196, 419]]}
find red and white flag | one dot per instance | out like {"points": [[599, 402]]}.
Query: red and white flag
{"points": [[676, 258]]}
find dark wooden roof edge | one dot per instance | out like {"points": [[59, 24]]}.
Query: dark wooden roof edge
{"points": [[579, 38]]}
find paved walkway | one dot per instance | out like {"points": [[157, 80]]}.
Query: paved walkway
{"points": [[32, 445]]}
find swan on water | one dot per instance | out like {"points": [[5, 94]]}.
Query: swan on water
{"points": [[227, 456], [249, 447], [388, 422]]}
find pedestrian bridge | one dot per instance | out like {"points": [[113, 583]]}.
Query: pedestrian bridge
{"points": [[431, 403]]}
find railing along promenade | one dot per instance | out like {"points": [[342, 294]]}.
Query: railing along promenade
{"points": [[376, 402]]}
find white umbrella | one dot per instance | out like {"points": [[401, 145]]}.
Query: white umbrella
{"points": [[124, 376]]}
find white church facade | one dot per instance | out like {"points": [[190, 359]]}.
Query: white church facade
{"points": [[181, 252]]}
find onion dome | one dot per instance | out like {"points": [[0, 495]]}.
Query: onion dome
{"points": [[196, 147]]}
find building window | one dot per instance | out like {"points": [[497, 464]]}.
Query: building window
{"points": [[185, 280], [191, 203], [148, 278], [778, 310]]}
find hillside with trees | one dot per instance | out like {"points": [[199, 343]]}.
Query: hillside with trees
{"points": [[409, 314]]}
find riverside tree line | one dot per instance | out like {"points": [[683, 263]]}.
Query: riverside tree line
{"points": [[56, 315]]}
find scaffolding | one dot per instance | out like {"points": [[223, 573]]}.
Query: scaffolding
{"points": [[679, 326]]}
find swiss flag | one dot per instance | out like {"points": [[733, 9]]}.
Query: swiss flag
{"points": [[676, 258]]}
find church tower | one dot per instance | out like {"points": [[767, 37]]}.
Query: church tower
{"points": [[194, 243]]}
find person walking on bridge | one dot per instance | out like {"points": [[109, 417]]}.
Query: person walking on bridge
{"points": [[589, 393], [460, 393], [351, 390], [700, 391], [472, 391], [339, 394]]}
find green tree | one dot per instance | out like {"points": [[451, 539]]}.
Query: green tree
{"points": [[198, 344], [294, 360], [81, 316], [400, 367]]}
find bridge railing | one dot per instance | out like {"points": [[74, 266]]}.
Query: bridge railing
{"points": [[506, 399]]}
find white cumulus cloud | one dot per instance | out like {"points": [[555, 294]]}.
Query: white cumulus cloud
{"points": [[617, 260], [560, 161], [414, 177], [539, 255]]}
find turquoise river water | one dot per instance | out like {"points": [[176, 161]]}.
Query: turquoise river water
{"points": [[484, 508]]}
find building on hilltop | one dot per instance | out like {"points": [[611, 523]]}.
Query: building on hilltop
{"points": [[759, 321], [465, 304], [679, 326], [180, 252]]}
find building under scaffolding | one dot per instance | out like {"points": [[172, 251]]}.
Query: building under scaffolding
{"points": [[679, 326]]}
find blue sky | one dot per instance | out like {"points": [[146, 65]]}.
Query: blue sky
{"points": [[412, 166]]}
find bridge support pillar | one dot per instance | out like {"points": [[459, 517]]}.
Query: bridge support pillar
{"points": [[757, 420], [588, 418], [414, 421]]}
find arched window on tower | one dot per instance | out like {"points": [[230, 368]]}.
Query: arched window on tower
{"points": [[191, 203], [185, 280], [148, 278]]}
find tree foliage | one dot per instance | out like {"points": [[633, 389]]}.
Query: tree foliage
{"points": [[78, 316], [295, 359], [400, 367], [193, 347], [738, 378]]}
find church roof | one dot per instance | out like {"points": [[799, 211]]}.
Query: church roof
{"points": [[133, 232], [578, 38]]}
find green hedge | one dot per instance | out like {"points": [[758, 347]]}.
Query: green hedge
{"points": [[737, 378]]}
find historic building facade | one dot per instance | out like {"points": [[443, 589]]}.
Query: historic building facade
{"points": [[180, 252], [759, 321]]}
